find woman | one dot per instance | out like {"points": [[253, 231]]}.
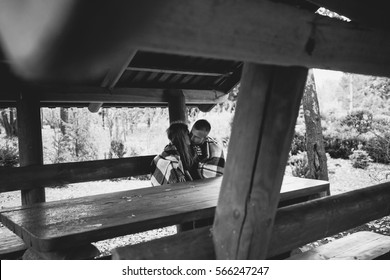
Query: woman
{"points": [[176, 163]]}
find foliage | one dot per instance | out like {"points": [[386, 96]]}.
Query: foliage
{"points": [[8, 122], [368, 92], [359, 120], [339, 147], [117, 149], [378, 146], [298, 143], [299, 165], [9, 152], [360, 159], [72, 140], [379, 149]]}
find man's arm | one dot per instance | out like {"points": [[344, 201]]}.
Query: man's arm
{"points": [[213, 165]]}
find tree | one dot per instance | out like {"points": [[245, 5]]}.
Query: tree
{"points": [[8, 121], [64, 115], [314, 141]]}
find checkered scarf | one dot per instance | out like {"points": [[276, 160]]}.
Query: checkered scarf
{"points": [[167, 168], [214, 163]]}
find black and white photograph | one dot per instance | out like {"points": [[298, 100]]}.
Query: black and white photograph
{"points": [[178, 138]]}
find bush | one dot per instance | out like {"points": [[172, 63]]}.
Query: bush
{"points": [[299, 165], [9, 153], [117, 148], [361, 120], [360, 159], [298, 144], [341, 148], [378, 148]]}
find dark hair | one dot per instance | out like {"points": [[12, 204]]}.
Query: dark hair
{"points": [[202, 125], [176, 134]]}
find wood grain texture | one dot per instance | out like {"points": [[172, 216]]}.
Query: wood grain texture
{"points": [[263, 127], [19, 178], [54, 95], [176, 106], [60, 224], [193, 244], [259, 31], [294, 226], [30, 143], [362, 245], [300, 224], [11, 245]]}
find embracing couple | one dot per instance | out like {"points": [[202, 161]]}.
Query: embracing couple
{"points": [[190, 155]]}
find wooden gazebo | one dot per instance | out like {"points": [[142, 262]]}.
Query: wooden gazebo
{"points": [[177, 53]]}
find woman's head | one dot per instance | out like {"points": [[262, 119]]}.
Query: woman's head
{"points": [[178, 134]]}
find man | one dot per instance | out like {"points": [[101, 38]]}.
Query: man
{"points": [[208, 152]]}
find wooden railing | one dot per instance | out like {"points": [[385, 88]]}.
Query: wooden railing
{"points": [[21, 178]]}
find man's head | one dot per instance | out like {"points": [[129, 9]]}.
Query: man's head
{"points": [[199, 131]]}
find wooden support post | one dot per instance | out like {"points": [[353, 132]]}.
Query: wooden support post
{"points": [[176, 105], [30, 142], [267, 109]]}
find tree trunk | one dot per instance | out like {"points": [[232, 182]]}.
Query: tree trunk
{"points": [[8, 121], [64, 115], [314, 139]]}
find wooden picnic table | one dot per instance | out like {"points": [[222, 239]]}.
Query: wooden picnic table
{"points": [[59, 225]]}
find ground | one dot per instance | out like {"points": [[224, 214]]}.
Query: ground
{"points": [[342, 176]]}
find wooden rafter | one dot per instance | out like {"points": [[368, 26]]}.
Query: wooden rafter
{"points": [[178, 71], [74, 95], [111, 78]]}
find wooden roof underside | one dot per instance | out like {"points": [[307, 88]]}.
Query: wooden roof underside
{"points": [[132, 52]]}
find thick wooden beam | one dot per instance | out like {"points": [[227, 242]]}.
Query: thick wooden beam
{"points": [[267, 109], [260, 31], [30, 144], [370, 13], [21, 178], [134, 96], [294, 226]]}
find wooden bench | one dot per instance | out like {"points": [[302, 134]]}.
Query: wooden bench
{"points": [[197, 244], [363, 245], [11, 245], [294, 226]]}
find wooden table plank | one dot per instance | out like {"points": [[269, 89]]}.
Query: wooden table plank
{"points": [[62, 224]]}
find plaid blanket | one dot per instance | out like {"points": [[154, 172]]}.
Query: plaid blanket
{"points": [[167, 168], [214, 162]]}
